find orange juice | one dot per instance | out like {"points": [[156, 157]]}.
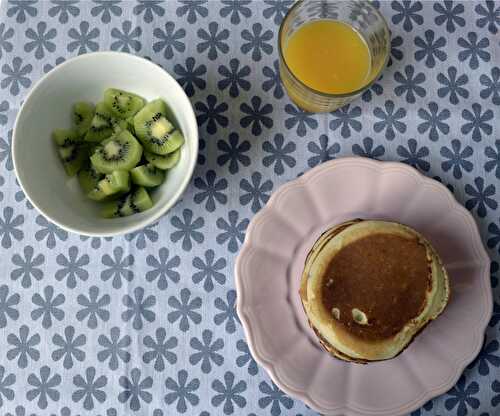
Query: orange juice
{"points": [[329, 56]]}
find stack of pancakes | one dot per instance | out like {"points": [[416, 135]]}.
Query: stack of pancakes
{"points": [[369, 287]]}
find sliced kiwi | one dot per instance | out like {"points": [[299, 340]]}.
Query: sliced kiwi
{"points": [[97, 195], [92, 147], [130, 125], [120, 152], [73, 157], [114, 209], [136, 201], [66, 137], [102, 125], [88, 178], [164, 162], [157, 134], [120, 125], [117, 181], [122, 104], [83, 113], [141, 201], [103, 150], [113, 183], [147, 175]]}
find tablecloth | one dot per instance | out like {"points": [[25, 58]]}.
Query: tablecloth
{"points": [[145, 324]]}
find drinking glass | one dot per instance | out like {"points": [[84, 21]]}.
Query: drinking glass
{"points": [[361, 16]]}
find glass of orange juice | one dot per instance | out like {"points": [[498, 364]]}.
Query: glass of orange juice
{"points": [[331, 52]]}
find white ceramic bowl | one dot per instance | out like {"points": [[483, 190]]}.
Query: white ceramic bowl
{"points": [[48, 106]]}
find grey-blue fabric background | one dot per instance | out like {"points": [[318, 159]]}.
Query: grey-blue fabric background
{"points": [[145, 324]]}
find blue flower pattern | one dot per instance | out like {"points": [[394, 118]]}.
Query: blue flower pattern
{"points": [[453, 85], [182, 392], [474, 50], [63, 9], [167, 291], [434, 121], [430, 49], [450, 14], [106, 9]]}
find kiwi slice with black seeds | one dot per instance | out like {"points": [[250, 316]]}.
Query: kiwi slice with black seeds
{"points": [[119, 125], [141, 201], [120, 152], [88, 178], [136, 201], [83, 113], [130, 125], [73, 158], [113, 209], [102, 125], [147, 175], [164, 162], [103, 150], [66, 137], [155, 131], [113, 183], [122, 104]]}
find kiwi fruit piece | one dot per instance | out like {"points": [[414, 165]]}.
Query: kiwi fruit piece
{"points": [[119, 208], [134, 202], [88, 178], [73, 157], [156, 133], [119, 148], [97, 195], [140, 200], [120, 125], [113, 209], [102, 125], [112, 183], [92, 147], [66, 137], [117, 181], [130, 125], [147, 175], [164, 162], [83, 113], [122, 104], [120, 152]]}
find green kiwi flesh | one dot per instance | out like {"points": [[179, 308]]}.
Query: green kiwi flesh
{"points": [[102, 125], [83, 113], [120, 125], [66, 137], [147, 175], [113, 183], [118, 149], [164, 162], [134, 202], [73, 157], [155, 131], [130, 125], [122, 104], [120, 152], [88, 178]]}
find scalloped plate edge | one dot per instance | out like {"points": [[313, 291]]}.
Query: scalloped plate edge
{"points": [[349, 409]]}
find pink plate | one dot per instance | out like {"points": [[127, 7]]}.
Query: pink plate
{"points": [[270, 263]]}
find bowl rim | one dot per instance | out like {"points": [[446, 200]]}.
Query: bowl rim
{"points": [[275, 372], [148, 219]]}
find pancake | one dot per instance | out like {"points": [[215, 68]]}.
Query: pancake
{"points": [[369, 287]]}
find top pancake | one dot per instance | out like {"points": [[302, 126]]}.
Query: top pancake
{"points": [[369, 287], [386, 276]]}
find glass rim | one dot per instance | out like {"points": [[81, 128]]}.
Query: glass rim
{"points": [[330, 95]]}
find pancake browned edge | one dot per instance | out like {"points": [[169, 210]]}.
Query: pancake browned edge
{"points": [[369, 287]]}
